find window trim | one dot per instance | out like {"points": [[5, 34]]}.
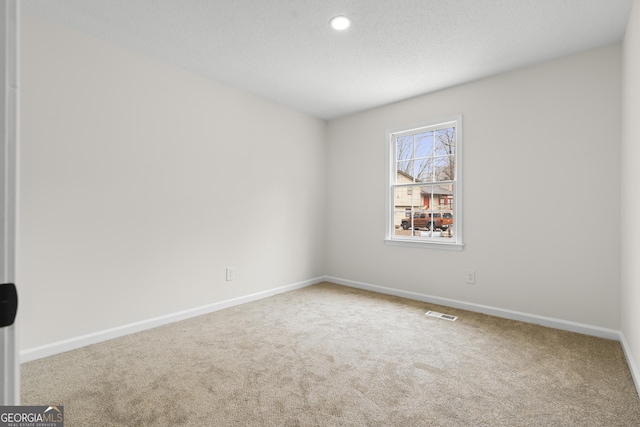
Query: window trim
{"points": [[430, 243]]}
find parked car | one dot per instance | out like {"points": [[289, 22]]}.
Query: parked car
{"points": [[430, 220]]}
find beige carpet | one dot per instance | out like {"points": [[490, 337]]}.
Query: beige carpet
{"points": [[334, 356]]}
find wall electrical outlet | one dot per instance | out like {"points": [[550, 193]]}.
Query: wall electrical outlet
{"points": [[231, 273], [471, 277]]}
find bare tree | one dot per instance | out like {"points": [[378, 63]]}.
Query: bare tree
{"points": [[405, 154], [427, 157], [445, 145]]}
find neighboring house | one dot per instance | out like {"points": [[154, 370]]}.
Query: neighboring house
{"points": [[419, 197]]}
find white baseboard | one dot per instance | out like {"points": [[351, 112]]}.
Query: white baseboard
{"points": [[498, 312], [96, 337], [635, 373]]}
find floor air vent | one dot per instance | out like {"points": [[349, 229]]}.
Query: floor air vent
{"points": [[441, 315]]}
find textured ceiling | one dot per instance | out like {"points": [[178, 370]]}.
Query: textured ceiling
{"points": [[285, 51]]}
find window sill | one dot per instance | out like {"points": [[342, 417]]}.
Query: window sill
{"points": [[424, 244]]}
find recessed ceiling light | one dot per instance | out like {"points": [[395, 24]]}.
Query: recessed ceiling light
{"points": [[340, 23]]}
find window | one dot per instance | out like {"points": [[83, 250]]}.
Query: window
{"points": [[424, 191], [445, 202]]}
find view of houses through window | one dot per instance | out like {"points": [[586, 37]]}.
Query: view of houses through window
{"points": [[424, 183]]}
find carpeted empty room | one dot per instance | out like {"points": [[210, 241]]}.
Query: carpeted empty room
{"points": [[233, 213], [328, 355]]}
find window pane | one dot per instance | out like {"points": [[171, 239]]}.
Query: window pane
{"points": [[443, 194], [408, 198], [404, 147], [445, 141], [424, 170], [444, 168], [408, 201], [402, 221], [424, 145], [404, 172]]}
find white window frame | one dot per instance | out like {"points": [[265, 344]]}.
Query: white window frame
{"points": [[456, 242]]}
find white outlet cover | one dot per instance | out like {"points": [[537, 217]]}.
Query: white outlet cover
{"points": [[471, 277]]}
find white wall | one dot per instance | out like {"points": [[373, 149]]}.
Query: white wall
{"points": [[630, 280], [548, 135], [141, 182]]}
